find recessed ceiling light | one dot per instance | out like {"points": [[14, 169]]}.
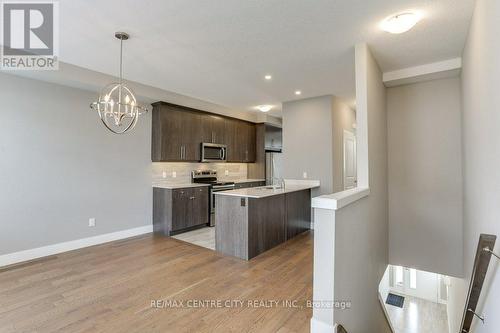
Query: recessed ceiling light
{"points": [[298, 92], [268, 77], [400, 23], [264, 108]]}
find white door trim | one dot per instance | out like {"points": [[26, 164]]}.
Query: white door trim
{"points": [[350, 135]]}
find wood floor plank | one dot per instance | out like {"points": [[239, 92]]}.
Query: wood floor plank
{"points": [[109, 288]]}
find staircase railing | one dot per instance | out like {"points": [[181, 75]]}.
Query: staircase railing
{"points": [[481, 262], [340, 329]]}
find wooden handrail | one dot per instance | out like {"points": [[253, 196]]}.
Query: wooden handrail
{"points": [[484, 252], [340, 329]]}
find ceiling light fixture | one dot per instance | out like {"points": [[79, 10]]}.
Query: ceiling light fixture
{"points": [[117, 106], [400, 23], [268, 77], [298, 92], [264, 108]]}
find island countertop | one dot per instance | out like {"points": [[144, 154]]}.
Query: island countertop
{"points": [[265, 191]]}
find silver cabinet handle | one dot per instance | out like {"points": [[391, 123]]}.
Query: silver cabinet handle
{"points": [[181, 151]]}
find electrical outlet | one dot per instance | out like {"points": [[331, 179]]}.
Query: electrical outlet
{"points": [[304, 175], [92, 222], [164, 174], [174, 174], [226, 172]]}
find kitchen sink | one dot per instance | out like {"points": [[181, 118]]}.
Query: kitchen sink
{"points": [[269, 187]]}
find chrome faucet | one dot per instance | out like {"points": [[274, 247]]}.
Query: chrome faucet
{"points": [[280, 183]]}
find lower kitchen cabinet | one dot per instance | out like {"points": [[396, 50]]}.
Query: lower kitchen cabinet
{"points": [[178, 210]]}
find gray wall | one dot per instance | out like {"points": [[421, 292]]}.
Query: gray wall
{"points": [[361, 235], [59, 167], [313, 130], [307, 141], [425, 176], [481, 159], [343, 118]]}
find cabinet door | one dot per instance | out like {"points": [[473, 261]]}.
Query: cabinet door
{"points": [[298, 210], [191, 136], [251, 143], [181, 205], [213, 129], [241, 141], [200, 206], [246, 141], [167, 134], [231, 138]]}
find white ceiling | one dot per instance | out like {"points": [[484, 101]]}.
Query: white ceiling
{"points": [[220, 50]]}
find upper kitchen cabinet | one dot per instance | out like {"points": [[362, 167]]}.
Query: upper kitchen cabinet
{"points": [[246, 141], [231, 138], [240, 141], [176, 134], [213, 129], [178, 131]]}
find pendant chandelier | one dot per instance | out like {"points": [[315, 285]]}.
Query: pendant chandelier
{"points": [[117, 106]]}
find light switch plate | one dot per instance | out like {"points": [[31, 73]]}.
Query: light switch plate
{"points": [[164, 174], [304, 175], [92, 222], [226, 172], [174, 174]]}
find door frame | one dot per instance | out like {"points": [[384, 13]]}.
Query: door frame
{"points": [[353, 136]]}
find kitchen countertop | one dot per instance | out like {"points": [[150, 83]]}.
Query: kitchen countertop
{"points": [[262, 191], [240, 181], [170, 186]]}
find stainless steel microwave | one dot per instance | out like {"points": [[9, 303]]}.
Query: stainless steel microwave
{"points": [[213, 152]]}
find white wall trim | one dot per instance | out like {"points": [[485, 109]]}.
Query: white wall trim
{"points": [[340, 199], [318, 326], [432, 71], [44, 251]]}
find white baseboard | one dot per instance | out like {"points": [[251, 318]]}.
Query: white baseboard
{"points": [[318, 326], [44, 251]]}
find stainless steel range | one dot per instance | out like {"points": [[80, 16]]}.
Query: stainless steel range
{"points": [[210, 177]]}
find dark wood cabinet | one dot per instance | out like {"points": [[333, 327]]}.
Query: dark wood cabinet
{"points": [[178, 210], [177, 134], [240, 141], [298, 212], [213, 129], [247, 227], [231, 138], [246, 142]]}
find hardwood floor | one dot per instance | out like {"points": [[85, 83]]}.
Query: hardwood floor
{"points": [[110, 288], [418, 316]]}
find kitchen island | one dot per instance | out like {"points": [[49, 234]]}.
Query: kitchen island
{"points": [[251, 221]]}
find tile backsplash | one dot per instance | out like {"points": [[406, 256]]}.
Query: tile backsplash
{"points": [[182, 171]]}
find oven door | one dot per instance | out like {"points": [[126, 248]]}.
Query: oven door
{"points": [[213, 190], [213, 152]]}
